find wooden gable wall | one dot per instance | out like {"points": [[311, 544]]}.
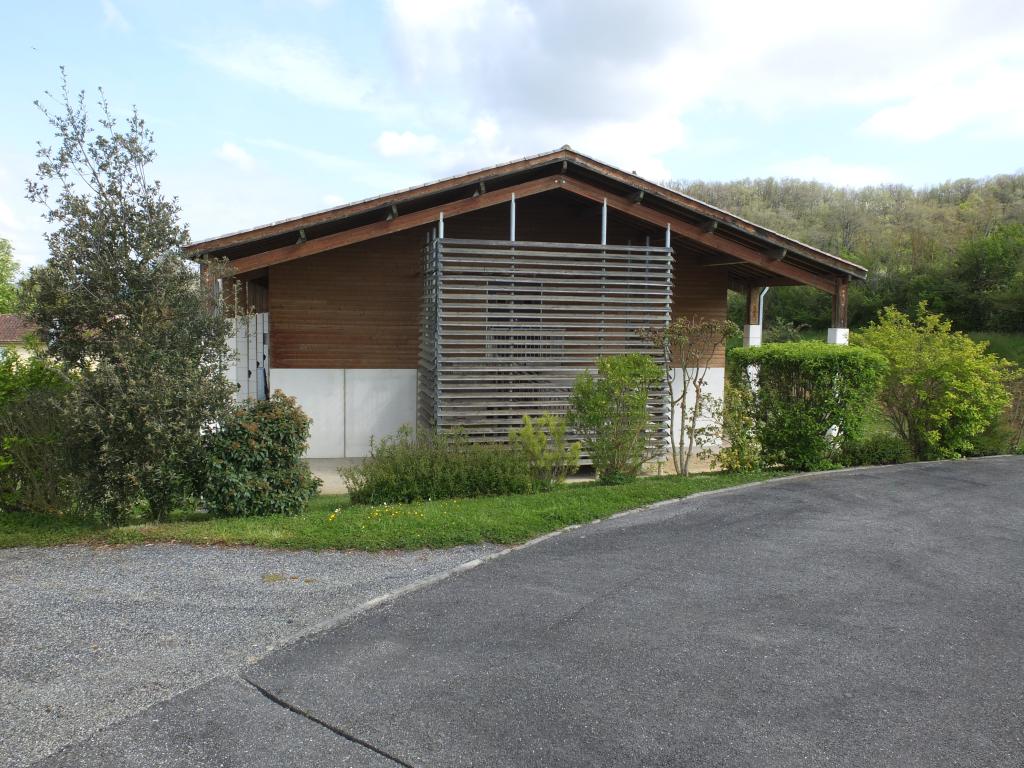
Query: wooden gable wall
{"points": [[359, 306]]}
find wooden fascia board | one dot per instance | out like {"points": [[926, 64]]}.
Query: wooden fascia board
{"points": [[677, 198], [406, 221], [382, 202], [565, 155], [696, 234]]}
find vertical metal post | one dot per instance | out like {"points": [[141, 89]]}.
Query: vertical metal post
{"points": [[604, 222], [512, 219], [668, 235], [438, 299], [440, 226]]}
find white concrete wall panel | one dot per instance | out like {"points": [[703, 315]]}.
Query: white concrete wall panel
{"points": [[242, 357], [714, 385], [321, 393], [838, 336], [752, 335], [248, 347], [377, 402]]}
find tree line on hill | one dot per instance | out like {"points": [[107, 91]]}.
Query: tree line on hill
{"points": [[958, 245]]}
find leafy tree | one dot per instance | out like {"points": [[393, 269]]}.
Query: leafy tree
{"points": [[8, 272], [124, 314], [917, 244], [986, 287], [942, 390]]}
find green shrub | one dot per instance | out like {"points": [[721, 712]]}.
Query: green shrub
{"points": [[875, 450], [807, 398], [254, 460], [1005, 433], [780, 330], [729, 442], [542, 444], [33, 449], [1015, 413], [942, 390], [435, 465], [609, 412]]}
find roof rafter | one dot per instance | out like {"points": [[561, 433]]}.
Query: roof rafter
{"points": [[713, 239], [387, 227], [697, 234]]}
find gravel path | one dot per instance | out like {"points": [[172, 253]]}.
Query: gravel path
{"points": [[90, 635]]}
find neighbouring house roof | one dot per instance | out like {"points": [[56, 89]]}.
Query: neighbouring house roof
{"points": [[759, 253], [14, 329]]}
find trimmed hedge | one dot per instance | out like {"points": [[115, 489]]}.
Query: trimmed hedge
{"points": [[428, 465], [255, 464], [808, 398], [875, 450]]}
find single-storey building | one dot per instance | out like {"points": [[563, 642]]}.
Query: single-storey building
{"points": [[476, 299], [15, 331]]}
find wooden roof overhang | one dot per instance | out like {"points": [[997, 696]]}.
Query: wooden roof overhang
{"points": [[752, 255]]}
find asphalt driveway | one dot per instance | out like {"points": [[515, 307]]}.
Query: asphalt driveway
{"points": [[92, 635], [864, 618]]}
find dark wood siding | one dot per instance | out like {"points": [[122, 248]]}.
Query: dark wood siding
{"points": [[359, 306], [700, 292]]}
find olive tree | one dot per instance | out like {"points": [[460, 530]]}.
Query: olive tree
{"points": [[124, 314]]}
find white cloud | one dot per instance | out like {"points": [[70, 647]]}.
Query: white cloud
{"points": [[20, 222], [354, 169], [236, 155], [629, 80], [824, 169], [485, 130], [972, 90], [394, 144], [303, 68], [334, 200], [9, 221], [113, 17], [507, 81], [326, 160]]}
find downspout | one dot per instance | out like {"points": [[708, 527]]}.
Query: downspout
{"points": [[760, 306]]}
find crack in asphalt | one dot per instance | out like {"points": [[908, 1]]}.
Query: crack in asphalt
{"points": [[324, 724]]}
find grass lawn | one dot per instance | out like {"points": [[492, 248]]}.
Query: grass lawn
{"points": [[332, 522]]}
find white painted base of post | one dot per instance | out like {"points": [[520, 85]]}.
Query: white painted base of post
{"points": [[751, 335], [838, 336]]}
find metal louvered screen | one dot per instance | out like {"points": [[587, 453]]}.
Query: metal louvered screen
{"points": [[507, 326]]}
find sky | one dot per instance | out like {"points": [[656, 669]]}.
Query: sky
{"points": [[268, 109]]}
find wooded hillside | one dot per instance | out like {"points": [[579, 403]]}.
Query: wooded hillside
{"points": [[958, 245]]}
